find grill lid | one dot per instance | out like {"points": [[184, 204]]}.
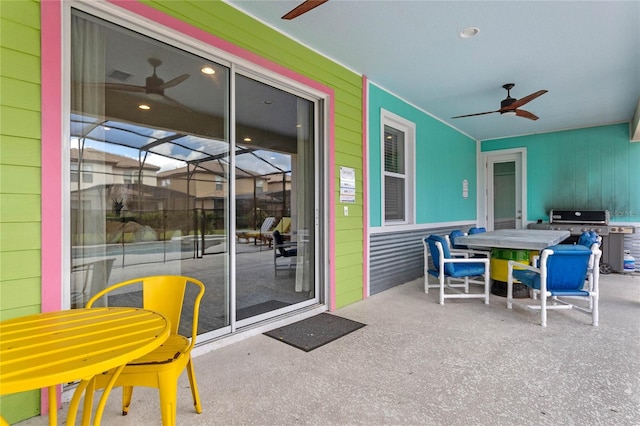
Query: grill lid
{"points": [[579, 216]]}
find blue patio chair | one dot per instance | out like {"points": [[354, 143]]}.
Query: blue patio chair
{"points": [[561, 276], [459, 250], [592, 240], [447, 267], [285, 251], [452, 239], [477, 230]]}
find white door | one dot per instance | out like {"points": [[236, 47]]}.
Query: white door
{"points": [[505, 189]]}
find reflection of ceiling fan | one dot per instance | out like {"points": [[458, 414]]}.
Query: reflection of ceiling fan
{"points": [[510, 105], [154, 86], [303, 7]]}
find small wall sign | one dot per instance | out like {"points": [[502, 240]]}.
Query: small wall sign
{"points": [[347, 185]]}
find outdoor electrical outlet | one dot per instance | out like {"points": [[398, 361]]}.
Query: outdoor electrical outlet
{"points": [[346, 210]]}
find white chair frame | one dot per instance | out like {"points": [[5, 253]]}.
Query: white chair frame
{"points": [[444, 281]]}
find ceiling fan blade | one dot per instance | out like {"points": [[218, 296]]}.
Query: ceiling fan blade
{"points": [[526, 114], [175, 103], [125, 87], [303, 7], [174, 82], [525, 100], [479, 113]]}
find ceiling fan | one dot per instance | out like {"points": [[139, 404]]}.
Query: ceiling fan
{"points": [[154, 86], [303, 7], [510, 106]]}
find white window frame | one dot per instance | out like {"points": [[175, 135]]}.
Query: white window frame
{"points": [[387, 118]]}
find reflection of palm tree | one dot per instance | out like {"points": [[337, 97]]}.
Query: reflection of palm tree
{"points": [[118, 206]]}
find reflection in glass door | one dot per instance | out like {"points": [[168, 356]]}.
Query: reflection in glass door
{"points": [[275, 200], [153, 169]]}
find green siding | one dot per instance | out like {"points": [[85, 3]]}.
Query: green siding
{"points": [[444, 158], [20, 242], [224, 21], [593, 168]]}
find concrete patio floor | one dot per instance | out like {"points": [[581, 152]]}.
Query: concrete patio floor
{"points": [[419, 363]]}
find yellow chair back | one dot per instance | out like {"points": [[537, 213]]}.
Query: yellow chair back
{"points": [[164, 294], [284, 225]]}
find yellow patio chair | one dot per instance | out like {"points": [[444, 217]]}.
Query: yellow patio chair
{"points": [[162, 367], [284, 226]]}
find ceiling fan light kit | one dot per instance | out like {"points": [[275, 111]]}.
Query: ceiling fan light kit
{"points": [[511, 106]]}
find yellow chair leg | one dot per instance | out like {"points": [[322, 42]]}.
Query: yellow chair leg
{"points": [[194, 386], [127, 393], [168, 389]]}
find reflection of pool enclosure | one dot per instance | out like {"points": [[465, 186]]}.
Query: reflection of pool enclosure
{"points": [[118, 197]]}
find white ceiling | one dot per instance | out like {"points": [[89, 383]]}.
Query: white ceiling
{"points": [[585, 53]]}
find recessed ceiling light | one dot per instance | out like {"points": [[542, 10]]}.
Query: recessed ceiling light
{"points": [[208, 70], [144, 107], [268, 102], [247, 139], [469, 32]]}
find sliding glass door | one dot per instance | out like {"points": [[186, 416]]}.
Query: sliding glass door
{"points": [[275, 199], [165, 179]]}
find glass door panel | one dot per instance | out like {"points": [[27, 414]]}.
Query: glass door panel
{"points": [[275, 200], [149, 156]]}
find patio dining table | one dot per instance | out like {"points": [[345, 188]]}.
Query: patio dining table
{"points": [[49, 349], [512, 244]]}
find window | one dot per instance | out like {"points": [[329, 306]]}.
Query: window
{"points": [[74, 172], [398, 136], [87, 173], [131, 176]]}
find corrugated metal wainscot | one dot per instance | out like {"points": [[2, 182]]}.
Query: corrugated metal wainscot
{"points": [[398, 257]]}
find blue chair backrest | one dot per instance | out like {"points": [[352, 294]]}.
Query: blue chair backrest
{"points": [[567, 267], [476, 230], [435, 254], [452, 238], [588, 238]]}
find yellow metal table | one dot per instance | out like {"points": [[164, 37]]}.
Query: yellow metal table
{"points": [[48, 349]]}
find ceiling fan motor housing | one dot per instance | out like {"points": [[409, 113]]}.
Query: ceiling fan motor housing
{"points": [[507, 102], [154, 85]]}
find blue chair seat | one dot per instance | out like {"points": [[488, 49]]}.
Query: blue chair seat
{"points": [[463, 270], [532, 280]]}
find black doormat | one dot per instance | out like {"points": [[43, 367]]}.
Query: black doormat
{"points": [[313, 332]]}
